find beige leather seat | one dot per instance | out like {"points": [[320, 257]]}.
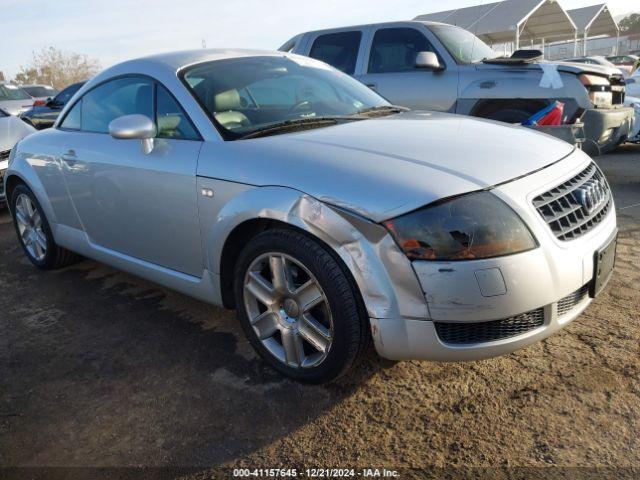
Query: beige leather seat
{"points": [[225, 106]]}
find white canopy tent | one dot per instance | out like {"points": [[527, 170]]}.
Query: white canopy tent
{"points": [[508, 21], [594, 21]]}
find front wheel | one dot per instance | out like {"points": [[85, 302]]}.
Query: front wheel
{"points": [[34, 232], [298, 307]]}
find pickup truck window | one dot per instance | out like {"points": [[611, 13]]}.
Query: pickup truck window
{"points": [[339, 50], [395, 50], [463, 45]]}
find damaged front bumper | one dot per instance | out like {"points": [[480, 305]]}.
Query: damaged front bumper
{"points": [[605, 129], [484, 308]]}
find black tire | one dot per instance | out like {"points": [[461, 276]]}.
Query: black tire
{"points": [[509, 115], [55, 256], [351, 334]]}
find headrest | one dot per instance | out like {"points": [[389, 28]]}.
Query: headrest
{"points": [[228, 100]]}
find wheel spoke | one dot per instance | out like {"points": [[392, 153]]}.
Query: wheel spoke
{"points": [[280, 273], [293, 349], [37, 249], [37, 221], [314, 333], [265, 325], [21, 215], [41, 239], [28, 206], [309, 295], [260, 289]]}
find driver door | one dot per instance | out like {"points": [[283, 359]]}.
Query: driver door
{"points": [[131, 203], [391, 71]]}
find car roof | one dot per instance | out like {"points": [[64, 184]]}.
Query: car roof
{"points": [[180, 59]]}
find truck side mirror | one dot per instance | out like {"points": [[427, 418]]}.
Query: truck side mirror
{"points": [[428, 61]]}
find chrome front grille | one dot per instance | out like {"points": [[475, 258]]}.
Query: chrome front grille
{"points": [[574, 207], [617, 89], [569, 302], [480, 332]]}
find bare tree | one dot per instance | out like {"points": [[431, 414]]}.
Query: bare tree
{"points": [[51, 66]]}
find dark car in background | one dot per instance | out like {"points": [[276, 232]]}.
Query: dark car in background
{"points": [[44, 116], [40, 93]]}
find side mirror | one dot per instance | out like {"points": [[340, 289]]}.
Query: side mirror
{"points": [[428, 61], [134, 127]]}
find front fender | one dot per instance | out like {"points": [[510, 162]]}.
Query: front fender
{"points": [[23, 168], [384, 275]]}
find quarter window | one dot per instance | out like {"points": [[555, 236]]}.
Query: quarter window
{"points": [[124, 96], [172, 121], [73, 120], [395, 50], [338, 49]]}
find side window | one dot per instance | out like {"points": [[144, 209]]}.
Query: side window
{"points": [[395, 50], [338, 49], [73, 120], [172, 121], [124, 96]]}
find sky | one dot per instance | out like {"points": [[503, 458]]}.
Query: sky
{"points": [[116, 30]]}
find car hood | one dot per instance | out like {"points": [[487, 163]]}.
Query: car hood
{"points": [[15, 107], [387, 166]]}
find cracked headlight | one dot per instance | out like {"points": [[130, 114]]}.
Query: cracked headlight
{"points": [[472, 226], [598, 89]]}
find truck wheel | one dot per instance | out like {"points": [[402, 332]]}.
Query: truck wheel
{"points": [[298, 306]]}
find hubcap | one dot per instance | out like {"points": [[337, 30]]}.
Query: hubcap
{"points": [[30, 227], [288, 310]]}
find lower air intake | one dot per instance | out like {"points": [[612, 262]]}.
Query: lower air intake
{"points": [[480, 332]]}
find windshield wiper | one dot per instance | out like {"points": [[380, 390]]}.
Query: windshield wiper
{"points": [[297, 124], [382, 110]]}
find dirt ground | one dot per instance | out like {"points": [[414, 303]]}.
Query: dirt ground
{"points": [[99, 368]]}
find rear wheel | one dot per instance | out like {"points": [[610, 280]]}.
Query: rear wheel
{"points": [[34, 232], [298, 307]]}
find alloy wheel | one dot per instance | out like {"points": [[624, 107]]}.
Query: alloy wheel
{"points": [[30, 227], [288, 310]]}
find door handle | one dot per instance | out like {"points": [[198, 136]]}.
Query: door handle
{"points": [[372, 86], [70, 157]]}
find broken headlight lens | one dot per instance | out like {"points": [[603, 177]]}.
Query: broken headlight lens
{"points": [[598, 90], [473, 226]]}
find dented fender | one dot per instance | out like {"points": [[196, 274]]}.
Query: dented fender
{"points": [[384, 275]]}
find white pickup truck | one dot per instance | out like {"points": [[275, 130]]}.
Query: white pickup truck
{"points": [[434, 66]]}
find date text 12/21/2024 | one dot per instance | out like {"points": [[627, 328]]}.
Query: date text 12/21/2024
{"points": [[316, 472]]}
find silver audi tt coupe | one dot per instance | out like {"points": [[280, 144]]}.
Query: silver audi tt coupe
{"points": [[276, 185]]}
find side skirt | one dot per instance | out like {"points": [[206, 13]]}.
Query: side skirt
{"points": [[205, 288]]}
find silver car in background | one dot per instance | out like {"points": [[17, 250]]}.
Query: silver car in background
{"points": [[12, 129], [13, 99], [279, 186]]}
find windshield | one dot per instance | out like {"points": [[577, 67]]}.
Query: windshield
{"points": [[11, 92], [40, 91], [246, 95], [462, 44]]}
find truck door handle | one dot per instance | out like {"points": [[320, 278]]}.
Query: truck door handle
{"points": [[372, 86]]}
